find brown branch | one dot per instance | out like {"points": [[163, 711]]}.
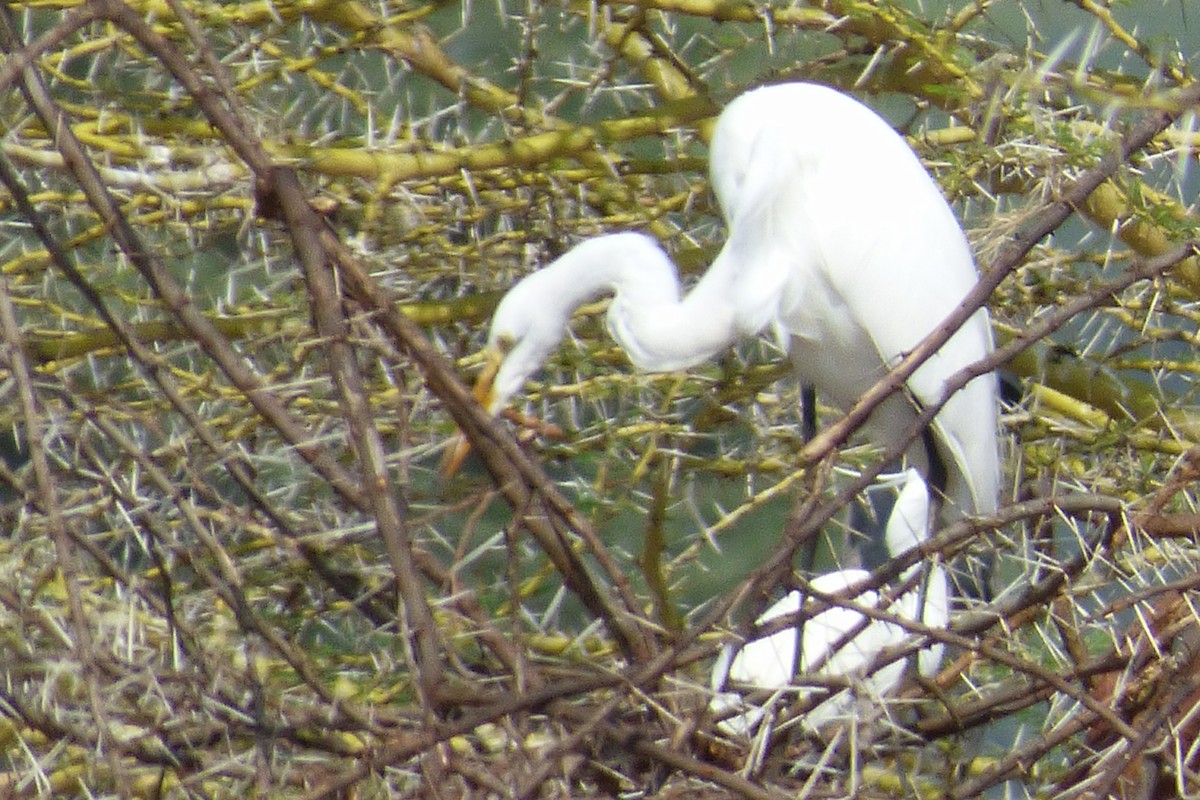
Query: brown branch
{"points": [[635, 741], [81, 640], [518, 478], [311, 240], [1170, 526], [240, 373], [22, 58], [1006, 261], [160, 374], [306, 230]]}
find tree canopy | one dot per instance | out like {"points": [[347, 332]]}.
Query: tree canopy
{"points": [[251, 250]]}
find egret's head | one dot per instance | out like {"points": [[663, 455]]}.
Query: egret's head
{"points": [[527, 326]]}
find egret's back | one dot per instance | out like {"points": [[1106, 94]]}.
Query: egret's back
{"points": [[842, 240]]}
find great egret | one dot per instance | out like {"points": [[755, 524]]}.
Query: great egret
{"points": [[839, 242], [841, 642]]}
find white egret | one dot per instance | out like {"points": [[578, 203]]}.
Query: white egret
{"points": [[841, 642], [839, 242]]}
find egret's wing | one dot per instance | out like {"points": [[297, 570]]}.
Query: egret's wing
{"points": [[839, 235], [893, 252], [826, 630], [769, 661], [915, 270]]}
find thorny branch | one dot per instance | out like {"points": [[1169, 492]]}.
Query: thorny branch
{"points": [[297, 601]]}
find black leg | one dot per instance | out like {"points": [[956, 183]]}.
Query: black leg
{"points": [[808, 412], [938, 473], [972, 576], [808, 429]]}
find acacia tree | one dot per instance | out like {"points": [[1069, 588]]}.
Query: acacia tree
{"points": [[252, 246]]}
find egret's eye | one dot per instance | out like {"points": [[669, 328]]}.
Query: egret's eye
{"points": [[505, 343]]}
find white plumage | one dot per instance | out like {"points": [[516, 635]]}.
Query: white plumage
{"points": [[840, 642], [839, 243]]}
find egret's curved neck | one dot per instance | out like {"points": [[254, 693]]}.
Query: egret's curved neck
{"points": [[657, 328], [660, 330]]}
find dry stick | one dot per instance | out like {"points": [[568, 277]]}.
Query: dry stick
{"points": [[408, 745], [1160, 668], [500, 453], [1152, 521], [1177, 586], [60, 729], [1021, 760], [548, 758], [972, 712], [810, 520], [418, 616], [517, 477], [12, 352], [390, 516], [418, 624], [523, 676], [636, 741], [700, 769], [981, 709], [347, 585], [1151, 727], [997, 703], [19, 60], [1036, 749]]}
